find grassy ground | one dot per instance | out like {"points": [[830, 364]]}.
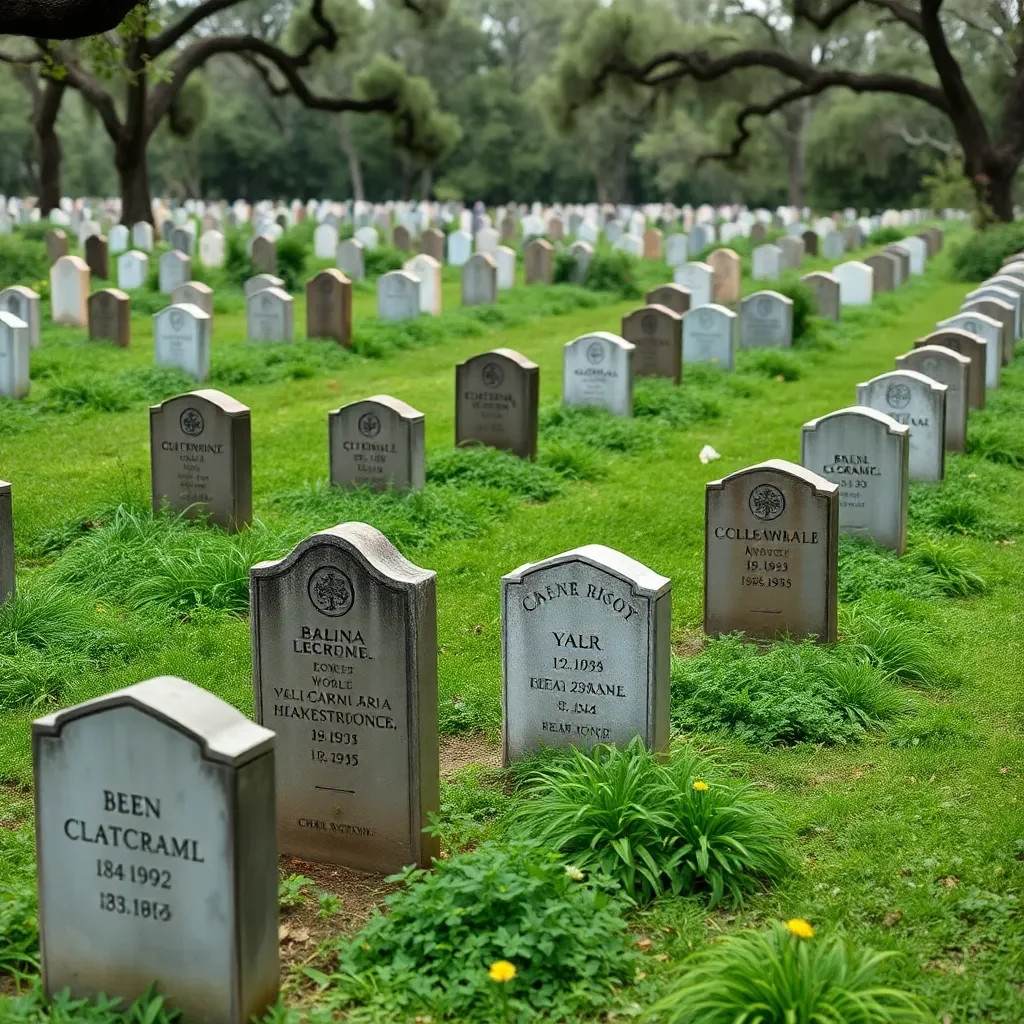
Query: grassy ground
{"points": [[910, 837]]}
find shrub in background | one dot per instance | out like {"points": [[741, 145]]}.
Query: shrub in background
{"points": [[886, 236], [805, 306], [613, 270], [23, 261], [981, 254]]}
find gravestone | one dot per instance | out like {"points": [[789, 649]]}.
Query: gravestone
{"points": [[200, 446], [652, 241], [264, 254], [917, 249], [539, 260], [325, 242], [699, 280], [398, 296], [990, 331], [132, 270], [496, 399], [656, 332], [352, 259], [377, 442], [582, 253], [97, 256], [344, 654], [329, 307], [175, 269], [598, 675], [883, 271], [487, 240], [902, 263], [758, 233], [1001, 311], [7, 580], [674, 296], [597, 369], [197, 294], [23, 303], [15, 346], [270, 316], [770, 553], [156, 852], [259, 282], [792, 252], [856, 283], [211, 249], [826, 293], [866, 455], [479, 280], [509, 229], [142, 236], [918, 402], [677, 250], [432, 243], [183, 240], [972, 348], [460, 248], [56, 245], [766, 321], [505, 260], [710, 336], [1003, 295], [726, 267], [953, 370], [811, 242], [428, 272], [181, 337], [69, 291], [401, 239], [110, 317], [833, 245], [766, 262]]}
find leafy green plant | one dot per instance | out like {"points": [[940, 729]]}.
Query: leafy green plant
{"points": [[613, 270], [23, 261], [19, 924], [903, 649], [291, 261], [494, 469], [430, 953], [950, 567], [982, 253], [777, 977], [805, 306], [35, 1007], [382, 260], [886, 236], [656, 827], [328, 905], [291, 891], [776, 364]]}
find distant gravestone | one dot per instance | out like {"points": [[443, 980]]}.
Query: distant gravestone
{"points": [[97, 256], [211, 249], [398, 296], [949, 368], [826, 293], [352, 259], [156, 852], [674, 296], [69, 291], [325, 242], [766, 261], [582, 253], [792, 250], [329, 307], [270, 316], [1001, 311], [201, 457], [883, 271], [586, 652], [132, 270], [479, 280], [377, 442], [677, 250], [183, 240], [259, 283], [505, 260], [597, 370], [698, 279], [264, 254], [181, 338], [990, 331], [344, 653], [918, 402], [432, 243], [1000, 294], [766, 321], [656, 332], [367, 237], [197, 294], [917, 250], [460, 248], [771, 552], [110, 317], [652, 244], [56, 244], [175, 269], [856, 283], [7, 580], [866, 455], [811, 241], [833, 245], [726, 267], [142, 236], [23, 303], [496, 401], [539, 260], [710, 336], [401, 239], [427, 271], [974, 349], [15, 346], [487, 240]]}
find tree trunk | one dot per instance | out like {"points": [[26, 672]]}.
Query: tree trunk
{"points": [[992, 176], [426, 182], [355, 169], [136, 203], [45, 107], [798, 120]]}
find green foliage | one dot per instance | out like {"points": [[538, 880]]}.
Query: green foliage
{"points": [[886, 236], [613, 270], [431, 952], [982, 253], [631, 816], [383, 260], [23, 261], [19, 924], [291, 262], [495, 470], [238, 264], [291, 891], [773, 977], [950, 567], [965, 503], [36, 1008], [805, 306], [698, 400], [188, 111], [774, 363], [594, 427], [901, 648], [865, 568]]}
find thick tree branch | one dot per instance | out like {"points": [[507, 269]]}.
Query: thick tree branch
{"points": [[98, 97], [901, 12], [61, 19], [924, 139], [21, 59], [165, 40]]}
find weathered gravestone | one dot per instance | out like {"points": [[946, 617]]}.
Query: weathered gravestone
{"points": [[259, 283], [142, 236], [487, 240], [710, 336], [200, 446], [427, 271], [181, 337], [270, 316], [183, 240], [329, 306], [69, 291], [953, 370], [586, 652], [901, 266], [401, 239], [811, 242], [211, 249], [97, 256], [726, 267], [398, 296], [6, 543], [156, 852], [1002, 295], [656, 332], [917, 249], [652, 244], [56, 245], [15, 345], [377, 442], [990, 331], [918, 402], [505, 259], [758, 233], [23, 303], [597, 369], [325, 242], [766, 262], [771, 540], [110, 317], [866, 455], [699, 280], [826, 293], [432, 243], [264, 254], [460, 248], [883, 269], [582, 253], [1001, 311], [854, 236], [677, 250], [766, 321], [496, 398], [833, 245], [175, 268], [539, 260], [352, 259], [856, 283], [673, 296], [196, 293], [480, 280], [792, 250], [132, 270], [344, 653], [972, 347]]}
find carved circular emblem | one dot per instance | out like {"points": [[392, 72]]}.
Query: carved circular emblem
{"points": [[763, 306], [493, 375], [330, 591], [898, 396], [648, 323], [191, 422], [177, 319], [930, 365], [595, 353], [767, 502], [369, 424]]}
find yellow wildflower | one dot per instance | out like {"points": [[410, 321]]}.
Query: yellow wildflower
{"points": [[502, 971], [800, 928], [700, 786], [574, 872]]}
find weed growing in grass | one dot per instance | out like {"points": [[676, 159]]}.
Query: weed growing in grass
{"points": [[595, 427], [932, 729], [949, 567], [982, 253], [19, 925], [472, 807], [698, 400], [496, 470], [36, 1008], [865, 568], [681, 827], [903, 649], [963, 504], [770, 362], [783, 975], [429, 955]]}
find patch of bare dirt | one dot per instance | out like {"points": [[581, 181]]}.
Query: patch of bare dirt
{"points": [[468, 748]]}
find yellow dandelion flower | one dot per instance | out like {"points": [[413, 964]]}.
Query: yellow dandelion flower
{"points": [[700, 786], [502, 971], [800, 928]]}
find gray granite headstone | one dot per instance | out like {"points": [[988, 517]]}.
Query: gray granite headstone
{"points": [[972, 347], [672, 296], [23, 303], [586, 652], [344, 653], [181, 337], [710, 336], [866, 454], [110, 317], [656, 332], [990, 331], [6, 542], [883, 265], [201, 457], [175, 268], [597, 369], [997, 310], [377, 442], [14, 356], [766, 262], [264, 254], [329, 306], [156, 852], [771, 548], [496, 401], [270, 316], [953, 370], [766, 321], [480, 280], [826, 293], [259, 282]]}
